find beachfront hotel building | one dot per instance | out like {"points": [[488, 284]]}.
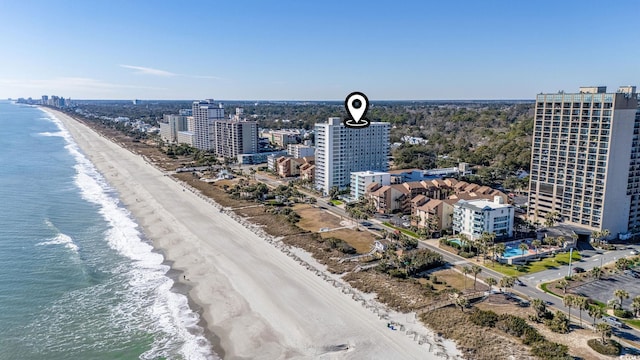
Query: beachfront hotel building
{"points": [[585, 159], [234, 137], [341, 150], [170, 125], [475, 217], [205, 113]]}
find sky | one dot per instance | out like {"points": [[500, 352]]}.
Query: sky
{"points": [[315, 50]]}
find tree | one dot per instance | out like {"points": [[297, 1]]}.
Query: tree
{"points": [[562, 284], [604, 330], [551, 218], [595, 312], [540, 308], [635, 305], [334, 192], [622, 264], [581, 303], [462, 302], [465, 270], [475, 270], [621, 294], [500, 249], [491, 282], [507, 282], [523, 247], [569, 301], [536, 245], [596, 272]]}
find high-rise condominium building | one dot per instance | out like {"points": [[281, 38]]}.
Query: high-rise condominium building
{"points": [[205, 113], [585, 159], [341, 150], [234, 137]]}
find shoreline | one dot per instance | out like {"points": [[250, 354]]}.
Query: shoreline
{"points": [[234, 301]]}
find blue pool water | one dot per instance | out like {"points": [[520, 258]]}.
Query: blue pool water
{"points": [[512, 250]]}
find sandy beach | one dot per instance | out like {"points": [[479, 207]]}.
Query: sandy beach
{"points": [[258, 300]]}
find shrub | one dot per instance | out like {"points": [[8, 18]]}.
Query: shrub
{"points": [[610, 348], [484, 318], [532, 336], [340, 245], [466, 255], [454, 245], [398, 273], [621, 313], [559, 323], [512, 325], [550, 351]]}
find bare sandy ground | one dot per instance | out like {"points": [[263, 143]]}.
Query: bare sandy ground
{"points": [[260, 302]]}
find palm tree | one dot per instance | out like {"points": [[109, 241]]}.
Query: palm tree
{"points": [[581, 303], [595, 236], [595, 312], [475, 270], [507, 282], [500, 249], [604, 330], [621, 294], [491, 282], [536, 244], [523, 247], [465, 270], [562, 284], [569, 301], [604, 234], [462, 302], [635, 305], [540, 307], [596, 272]]}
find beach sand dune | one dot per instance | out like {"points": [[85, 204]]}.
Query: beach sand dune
{"points": [[257, 300]]}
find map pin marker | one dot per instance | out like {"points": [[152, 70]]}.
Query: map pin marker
{"points": [[357, 105]]}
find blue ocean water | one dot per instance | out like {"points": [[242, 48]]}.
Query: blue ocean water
{"points": [[77, 279]]}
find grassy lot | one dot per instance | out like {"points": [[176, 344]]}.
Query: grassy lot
{"points": [[633, 323], [404, 231], [336, 202], [545, 288], [538, 265], [313, 219], [361, 240], [449, 278]]}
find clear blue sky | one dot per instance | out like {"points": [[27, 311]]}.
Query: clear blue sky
{"points": [[315, 50]]}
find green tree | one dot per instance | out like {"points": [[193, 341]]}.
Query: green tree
{"points": [[491, 282], [475, 270], [507, 282], [569, 301], [605, 332], [581, 303], [462, 302], [621, 294], [595, 312], [523, 247], [596, 272], [499, 249], [540, 308], [622, 264], [562, 284], [536, 245], [465, 270], [635, 305]]}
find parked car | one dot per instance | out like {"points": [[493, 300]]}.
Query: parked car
{"points": [[578, 270], [612, 321], [519, 282], [406, 224], [633, 252]]}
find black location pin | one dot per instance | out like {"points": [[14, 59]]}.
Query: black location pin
{"points": [[357, 105]]}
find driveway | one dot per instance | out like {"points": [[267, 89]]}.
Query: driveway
{"points": [[602, 290]]}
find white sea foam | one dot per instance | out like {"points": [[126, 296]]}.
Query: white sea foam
{"points": [[61, 239], [170, 311], [57, 133]]}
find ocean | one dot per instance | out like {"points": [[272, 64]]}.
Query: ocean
{"points": [[78, 280]]}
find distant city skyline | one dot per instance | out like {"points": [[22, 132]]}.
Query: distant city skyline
{"points": [[286, 50]]}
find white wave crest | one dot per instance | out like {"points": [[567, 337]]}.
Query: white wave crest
{"points": [[57, 134], [170, 310], [61, 239]]}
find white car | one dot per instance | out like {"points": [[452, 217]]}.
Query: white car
{"points": [[612, 321], [406, 224], [633, 252]]}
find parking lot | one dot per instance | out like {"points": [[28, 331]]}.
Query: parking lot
{"points": [[602, 290]]}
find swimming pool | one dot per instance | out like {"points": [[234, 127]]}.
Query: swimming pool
{"points": [[512, 250]]}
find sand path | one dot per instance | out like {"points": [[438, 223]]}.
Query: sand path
{"points": [[260, 302]]}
